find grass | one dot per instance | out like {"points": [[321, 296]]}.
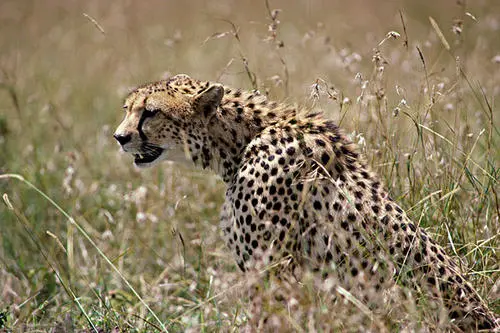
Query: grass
{"points": [[94, 243]]}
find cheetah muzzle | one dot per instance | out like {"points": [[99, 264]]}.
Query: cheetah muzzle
{"points": [[297, 188]]}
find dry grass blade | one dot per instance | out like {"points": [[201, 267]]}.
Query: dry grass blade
{"points": [[440, 34], [217, 35], [405, 41], [95, 23], [355, 301]]}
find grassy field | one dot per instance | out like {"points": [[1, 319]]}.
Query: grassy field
{"points": [[94, 243]]}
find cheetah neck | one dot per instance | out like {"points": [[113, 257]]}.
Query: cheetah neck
{"points": [[239, 119]]}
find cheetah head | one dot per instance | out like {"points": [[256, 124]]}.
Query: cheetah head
{"points": [[165, 120]]}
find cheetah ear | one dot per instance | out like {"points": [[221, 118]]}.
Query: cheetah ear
{"points": [[208, 100], [180, 78]]}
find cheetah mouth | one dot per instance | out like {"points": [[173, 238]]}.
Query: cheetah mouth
{"points": [[151, 154]]}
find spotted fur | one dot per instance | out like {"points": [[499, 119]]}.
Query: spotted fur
{"points": [[298, 192]]}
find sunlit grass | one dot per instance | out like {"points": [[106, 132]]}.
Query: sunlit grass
{"points": [[121, 247]]}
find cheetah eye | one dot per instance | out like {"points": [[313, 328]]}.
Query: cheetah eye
{"points": [[149, 113]]}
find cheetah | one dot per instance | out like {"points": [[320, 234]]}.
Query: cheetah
{"points": [[298, 191]]}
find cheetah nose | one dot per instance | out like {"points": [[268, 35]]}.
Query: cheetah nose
{"points": [[122, 139]]}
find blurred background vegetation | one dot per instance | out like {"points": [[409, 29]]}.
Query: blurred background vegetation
{"points": [[418, 97]]}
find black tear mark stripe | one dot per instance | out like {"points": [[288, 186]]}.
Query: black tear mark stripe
{"points": [[145, 114]]}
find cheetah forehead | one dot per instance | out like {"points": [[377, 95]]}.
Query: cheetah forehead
{"points": [[171, 92]]}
